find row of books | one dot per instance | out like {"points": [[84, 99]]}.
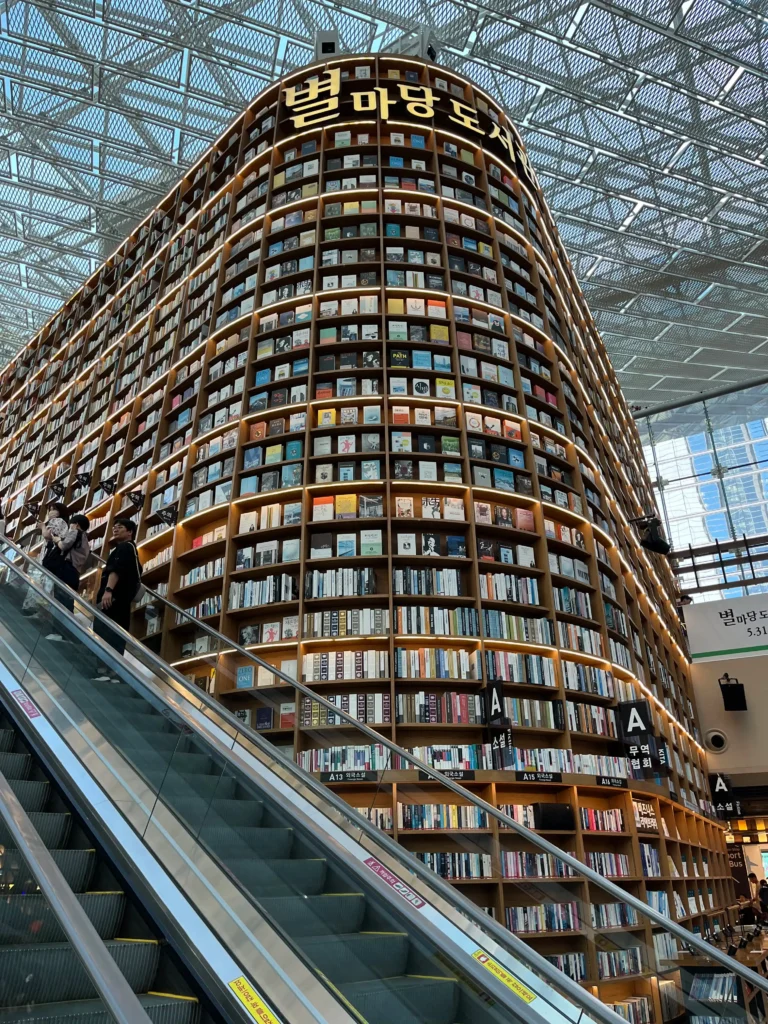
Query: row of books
{"points": [[509, 666], [347, 506], [381, 817], [269, 590], [572, 601], [587, 678], [444, 582], [204, 608], [612, 865], [522, 864], [345, 582], [596, 820], [499, 586], [522, 813], [202, 573], [715, 988], [372, 708], [347, 622], [357, 664], [427, 817], [458, 865], [572, 965], [635, 1010], [579, 638], [421, 621], [658, 899], [591, 718], [499, 625], [613, 915], [435, 663], [533, 714], [268, 552], [271, 516], [619, 962], [544, 917], [650, 861], [431, 708]]}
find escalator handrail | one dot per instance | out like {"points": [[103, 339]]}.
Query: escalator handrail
{"points": [[118, 997], [688, 938]]}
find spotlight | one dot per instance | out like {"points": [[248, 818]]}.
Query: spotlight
{"points": [[431, 52]]}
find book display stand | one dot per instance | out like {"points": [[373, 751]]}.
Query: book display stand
{"points": [[345, 381]]}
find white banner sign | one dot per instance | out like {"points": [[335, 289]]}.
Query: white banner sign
{"points": [[736, 629]]}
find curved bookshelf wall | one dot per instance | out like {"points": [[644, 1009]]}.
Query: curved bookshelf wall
{"points": [[347, 353]]}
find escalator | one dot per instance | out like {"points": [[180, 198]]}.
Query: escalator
{"points": [[352, 941], [320, 917], [41, 976]]}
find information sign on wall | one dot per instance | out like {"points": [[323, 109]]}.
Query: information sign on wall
{"points": [[733, 629]]}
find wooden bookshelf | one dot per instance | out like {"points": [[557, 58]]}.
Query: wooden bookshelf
{"points": [[348, 353]]}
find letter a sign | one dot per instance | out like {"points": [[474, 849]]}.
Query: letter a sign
{"points": [[635, 718]]}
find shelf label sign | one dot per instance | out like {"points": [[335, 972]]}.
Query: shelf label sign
{"points": [[457, 774], [636, 718], [392, 880], [736, 629], [502, 974], [349, 776], [726, 806], [611, 782], [539, 776], [253, 1002]]}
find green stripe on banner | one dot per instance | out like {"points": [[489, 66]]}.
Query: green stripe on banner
{"points": [[734, 650]]}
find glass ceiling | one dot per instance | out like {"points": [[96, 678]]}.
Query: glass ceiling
{"points": [[646, 120]]}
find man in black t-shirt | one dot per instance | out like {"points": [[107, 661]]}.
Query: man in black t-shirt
{"points": [[120, 579]]}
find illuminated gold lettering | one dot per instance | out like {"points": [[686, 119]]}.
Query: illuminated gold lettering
{"points": [[375, 100], [504, 136], [466, 116], [419, 100], [315, 102]]}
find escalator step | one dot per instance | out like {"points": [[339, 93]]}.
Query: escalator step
{"points": [[359, 957], [317, 915], [407, 1000], [14, 766], [51, 972], [239, 843], [7, 738], [28, 919], [280, 877], [32, 794], [219, 812], [172, 785], [51, 826], [76, 866], [160, 1009]]}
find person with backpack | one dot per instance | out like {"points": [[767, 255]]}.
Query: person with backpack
{"points": [[120, 583], [74, 550]]}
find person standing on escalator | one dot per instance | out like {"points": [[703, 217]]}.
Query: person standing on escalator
{"points": [[120, 583]]}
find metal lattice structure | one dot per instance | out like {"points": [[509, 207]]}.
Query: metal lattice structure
{"points": [[646, 120]]}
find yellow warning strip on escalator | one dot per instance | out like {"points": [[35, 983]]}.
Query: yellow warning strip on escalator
{"points": [[503, 975], [252, 1001]]}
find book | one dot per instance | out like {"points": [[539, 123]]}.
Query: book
{"points": [[244, 677], [371, 542]]}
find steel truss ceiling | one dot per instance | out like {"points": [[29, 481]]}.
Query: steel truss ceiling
{"points": [[646, 120]]}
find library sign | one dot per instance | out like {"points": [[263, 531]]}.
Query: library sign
{"points": [[736, 629], [317, 101]]}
